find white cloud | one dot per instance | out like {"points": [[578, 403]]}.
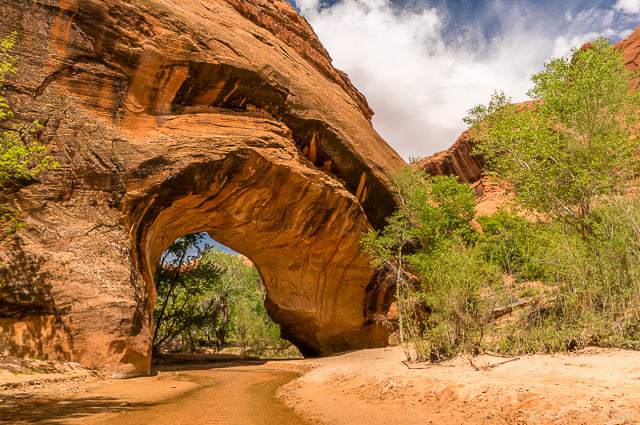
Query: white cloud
{"points": [[421, 82], [631, 7]]}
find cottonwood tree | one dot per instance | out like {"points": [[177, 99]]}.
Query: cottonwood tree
{"points": [[211, 299], [183, 283], [244, 322], [573, 143]]}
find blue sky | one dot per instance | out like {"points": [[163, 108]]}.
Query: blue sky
{"points": [[423, 63]]}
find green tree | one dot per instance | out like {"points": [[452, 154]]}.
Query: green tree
{"points": [[244, 322], [212, 299], [433, 211], [573, 143], [183, 283], [225, 299]]}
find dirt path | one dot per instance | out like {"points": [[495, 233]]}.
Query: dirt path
{"points": [[240, 395]]}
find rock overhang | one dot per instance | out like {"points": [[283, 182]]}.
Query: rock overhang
{"points": [[221, 116]]}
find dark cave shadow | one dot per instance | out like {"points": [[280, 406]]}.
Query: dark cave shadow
{"points": [[188, 365], [203, 365], [33, 409]]}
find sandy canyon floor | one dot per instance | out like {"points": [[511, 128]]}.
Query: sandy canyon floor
{"points": [[372, 387]]}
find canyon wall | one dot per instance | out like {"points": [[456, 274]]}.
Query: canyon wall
{"points": [[167, 118]]}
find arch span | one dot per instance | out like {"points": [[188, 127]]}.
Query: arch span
{"points": [[300, 232], [222, 116]]}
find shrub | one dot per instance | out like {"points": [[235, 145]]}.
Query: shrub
{"points": [[22, 156], [514, 244], [597, 300], [460, 290], [433, 211]]}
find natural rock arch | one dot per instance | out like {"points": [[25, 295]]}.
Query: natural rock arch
{"points": [[223, 116], [311, 267]]}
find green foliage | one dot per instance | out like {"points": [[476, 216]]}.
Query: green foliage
{"points": [[212, 299], [248, 326], [573, 143], [7, 66], [460, 290], [597, 287], [514, 244], [22, 157], [433, 211], [577, 289], [9, 222], [566, 155], [183, 284]]}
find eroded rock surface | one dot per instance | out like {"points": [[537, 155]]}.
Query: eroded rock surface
{"points": [[630, 48], [459, 160], [168, 117]]}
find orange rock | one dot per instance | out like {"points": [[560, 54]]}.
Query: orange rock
{"points": [[168, 118], [459, 160]]}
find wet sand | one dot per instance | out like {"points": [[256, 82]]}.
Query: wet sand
{"points": [[193, 395]]}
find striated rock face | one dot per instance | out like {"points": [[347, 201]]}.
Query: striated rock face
{"points": [[168, 118], [630, 48], [459, 159]]}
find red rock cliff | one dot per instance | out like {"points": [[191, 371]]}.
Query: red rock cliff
{"points": [[171, 117]]}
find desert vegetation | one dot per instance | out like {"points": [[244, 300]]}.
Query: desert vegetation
{"points": [[557, 269], [22, 156], [212, 301]]}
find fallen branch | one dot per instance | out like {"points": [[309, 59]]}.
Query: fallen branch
{"points": [[490, 366], [473, 365], [404, 362], [508, 309], [494, 354]]}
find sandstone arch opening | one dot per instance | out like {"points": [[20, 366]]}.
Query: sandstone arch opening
{"points": [[210, 303], [300, 229], [227, 119]]}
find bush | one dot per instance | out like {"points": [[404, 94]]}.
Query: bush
{"points": [[597, 282], [460, 290], [434, 211], [451, 287], [22, 157], [514, 244]]}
